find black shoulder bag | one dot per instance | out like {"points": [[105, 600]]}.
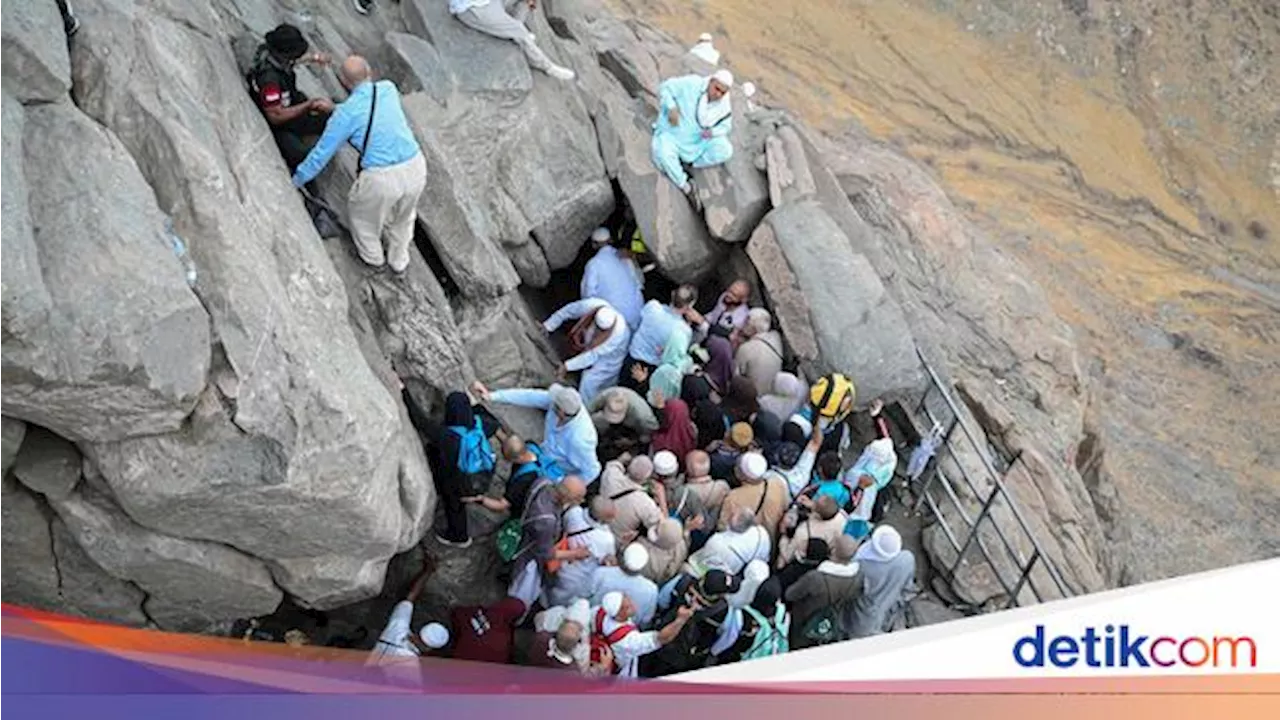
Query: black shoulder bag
{"points": [[368, 129]]}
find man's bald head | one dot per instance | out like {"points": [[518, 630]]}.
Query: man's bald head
{"points": [[570, 491], [513, 447], [355, 70]]}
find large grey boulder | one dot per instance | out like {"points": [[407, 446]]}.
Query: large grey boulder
{"points": [[331, 581], [508, 348], [518, 146], [297, 450], [104, 339], [858, 328], [47, 464], [30, 572], [86, 590], [208, 579], [735, 196], [215, 482], [45, 569], [34, 55]]}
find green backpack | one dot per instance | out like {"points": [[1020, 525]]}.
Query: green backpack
{"points": [[823, 627], [771, 637], [508, 539]]}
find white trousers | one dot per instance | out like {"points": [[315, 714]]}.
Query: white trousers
{"points": [[384, 201], [493, 19]]}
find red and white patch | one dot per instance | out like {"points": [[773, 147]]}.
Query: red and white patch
{"points": [[271, 95]]}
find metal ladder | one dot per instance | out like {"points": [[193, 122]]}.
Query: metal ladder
{"points": [[934, 488]]}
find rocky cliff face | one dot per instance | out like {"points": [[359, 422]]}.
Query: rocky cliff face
{"points": [[189, 439]]}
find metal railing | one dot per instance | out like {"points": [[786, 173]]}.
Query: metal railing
{"points": [[935, 488]]}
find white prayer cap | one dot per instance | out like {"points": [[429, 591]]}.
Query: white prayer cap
{"points": [[600, 235], [704, 37], [606, 317], [886, 541], [664, 463], [635, 557], [724, 77], [749, 88], [753, 466], [434, 635], [612, 603]]}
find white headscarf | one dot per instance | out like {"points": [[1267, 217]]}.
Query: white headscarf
{"points": [[883, 545], [710, 113]]}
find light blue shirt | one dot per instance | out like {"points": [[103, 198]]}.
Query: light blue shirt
{"points": [[684, 94], [658, 324], [572, 445], [391, 144], [617, 281]]}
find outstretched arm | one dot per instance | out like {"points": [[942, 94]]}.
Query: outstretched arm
{"points": [[522, 397], [572, 311], [336, 131]]}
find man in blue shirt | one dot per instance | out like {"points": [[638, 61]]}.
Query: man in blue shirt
{"points": [[663, 336], [393, 173]]}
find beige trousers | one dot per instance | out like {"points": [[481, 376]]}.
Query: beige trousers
{"points": [[384, 200]]}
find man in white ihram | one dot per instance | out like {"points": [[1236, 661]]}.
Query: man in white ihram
{"points": [[600, 337], [492, 18]]}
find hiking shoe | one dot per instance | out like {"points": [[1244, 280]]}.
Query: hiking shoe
{"points": [[454, 543], [560, 72], [362, 6]]}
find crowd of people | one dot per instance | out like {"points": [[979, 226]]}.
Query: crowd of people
{"points": [[688, 503]]}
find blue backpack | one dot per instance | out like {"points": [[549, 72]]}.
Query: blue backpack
{"points": [[544, 466], [475, 455]]}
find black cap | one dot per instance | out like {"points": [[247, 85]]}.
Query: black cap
{"points": [[287, 42], [719, 582], [817, 550]]}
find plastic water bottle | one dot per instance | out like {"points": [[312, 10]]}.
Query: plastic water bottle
{"points": [[179, 248]]}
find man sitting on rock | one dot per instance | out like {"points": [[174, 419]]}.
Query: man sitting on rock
{"points": [[296, 120], [392, 172], [492, 18], [694, 120]]}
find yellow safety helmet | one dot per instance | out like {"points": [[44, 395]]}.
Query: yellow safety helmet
{"points": [[828, 396]]}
